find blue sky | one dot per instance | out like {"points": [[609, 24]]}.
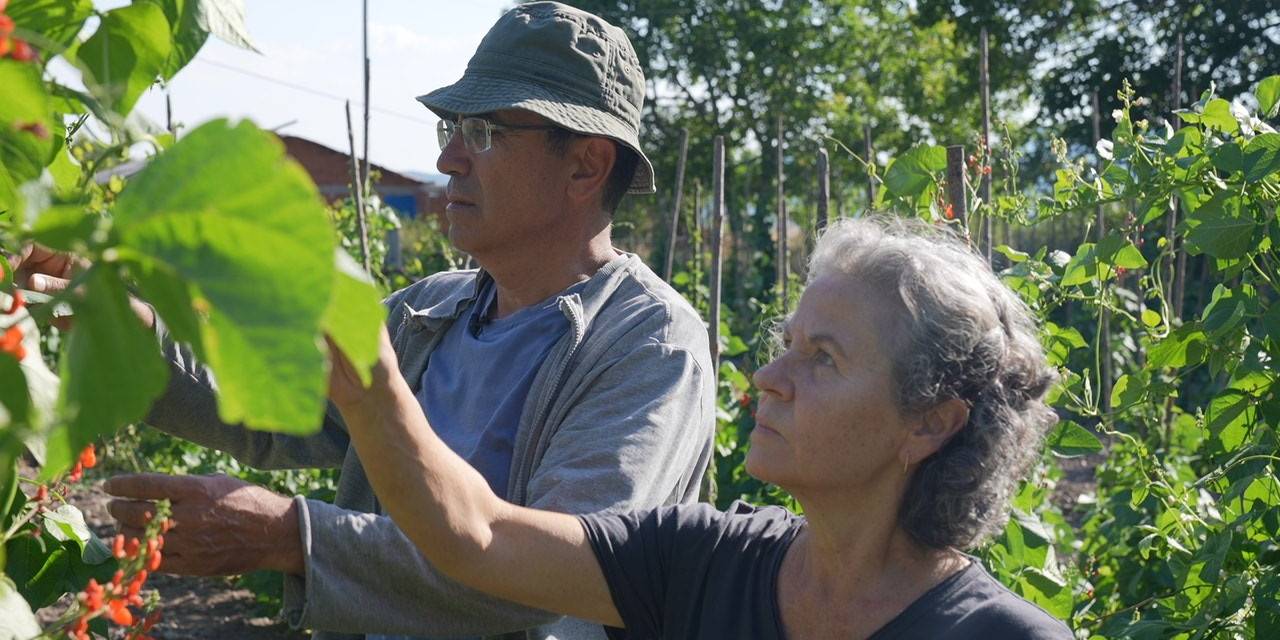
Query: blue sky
{"points": [[414, 47]]}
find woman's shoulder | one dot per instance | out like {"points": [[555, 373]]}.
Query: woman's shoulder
{"points": [[979, 606]]}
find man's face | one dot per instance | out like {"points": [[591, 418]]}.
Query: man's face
{"points": [[506, 198]]}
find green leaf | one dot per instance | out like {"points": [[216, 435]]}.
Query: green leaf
{"points": [[126, 54], [1262, 157], [1228, 158], [1225, 311], [1012, 254], [1128, 391], [1117, 250], [23, 153], [17, 621], [64, 227], [111, 370], [910, 173], [1151, 318], [1268, 93], [225, 19], [354, 316], [1217, 115], [15, 403], [1230, 417], [1060, 341], [1220, 228], [1183, 347], [187, 33], [56, 20], [37, 566], [67, 523], [1069, 439], [1083, 267], [227, 213]]}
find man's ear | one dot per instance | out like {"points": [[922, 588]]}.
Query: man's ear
{"points": [[593, 161], [936, 427]]}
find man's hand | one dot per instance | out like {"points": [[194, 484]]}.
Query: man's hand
{"points": [[221, 526], [50, 272]]}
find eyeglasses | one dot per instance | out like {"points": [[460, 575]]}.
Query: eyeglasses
{"points": [[477, 133]]}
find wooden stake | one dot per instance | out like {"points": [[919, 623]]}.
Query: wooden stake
{"points": [[984, 188], [781, 220], [717, 225], [675, 208], [358, 193], [1104, 315], [364, 176], [697, 238], [957, 183], [870, 158], [1180, 274], [824, 190]]}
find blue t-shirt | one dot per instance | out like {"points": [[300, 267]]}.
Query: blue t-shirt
{"points": [[474, 388]]}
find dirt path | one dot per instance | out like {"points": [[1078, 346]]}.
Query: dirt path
{"points": [[192, 608]]}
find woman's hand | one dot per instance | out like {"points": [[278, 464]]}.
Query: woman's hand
{"points": [[345, 388]]}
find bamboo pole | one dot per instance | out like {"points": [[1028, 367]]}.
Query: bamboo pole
{"points": [[675, 208], [358, 193], [697, 238], [824, 190], [717, 225], [1104, 314], [984, 188], [782, 221]]}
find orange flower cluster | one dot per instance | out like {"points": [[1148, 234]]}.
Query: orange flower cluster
{"points": [[11, 339], [88, 459], [10, 46], [115, 599]]}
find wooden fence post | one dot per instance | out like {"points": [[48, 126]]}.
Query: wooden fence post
{"points": [[675, 208]]}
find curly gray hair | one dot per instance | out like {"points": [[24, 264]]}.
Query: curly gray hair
{"points": [[964, 335]]}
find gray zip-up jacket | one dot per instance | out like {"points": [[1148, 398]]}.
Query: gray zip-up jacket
{"points": [[620, 416]]}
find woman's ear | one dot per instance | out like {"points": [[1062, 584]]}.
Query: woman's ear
{"points": [[593, 159], [936, 427]]}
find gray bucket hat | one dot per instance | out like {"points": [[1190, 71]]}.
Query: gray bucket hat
{"points": [[563, 64]]}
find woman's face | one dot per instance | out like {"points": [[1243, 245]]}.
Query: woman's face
{"points": [[827, 419]]}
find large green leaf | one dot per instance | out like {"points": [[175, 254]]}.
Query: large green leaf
{"points": [[1217, 115], [1070, 439], [910, 173], [1262, 157], [17, 622], [1268, 93], [58, 21], [1183, 347], [111, 370], [126, 54], [1221, 227], [354, 316], [188, 34], [24, 151], [243, 226]]}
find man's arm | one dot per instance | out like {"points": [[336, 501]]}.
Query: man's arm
{"points": [[641, 433]]}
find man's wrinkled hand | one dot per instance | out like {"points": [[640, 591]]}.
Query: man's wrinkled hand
{"points": [[44, 270], [220, 525]]}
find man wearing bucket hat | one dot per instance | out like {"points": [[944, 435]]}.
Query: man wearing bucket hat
{"points": [[566, 372]]}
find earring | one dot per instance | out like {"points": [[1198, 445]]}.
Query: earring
{"points": [[905, 463]]}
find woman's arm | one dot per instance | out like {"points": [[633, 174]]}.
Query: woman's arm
{"points": [[537, 558]]}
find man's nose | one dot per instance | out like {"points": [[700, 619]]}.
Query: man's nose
{"points": [[454, 158]]}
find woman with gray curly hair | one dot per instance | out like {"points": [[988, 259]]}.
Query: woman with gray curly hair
{"points": [[903, 412]]}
